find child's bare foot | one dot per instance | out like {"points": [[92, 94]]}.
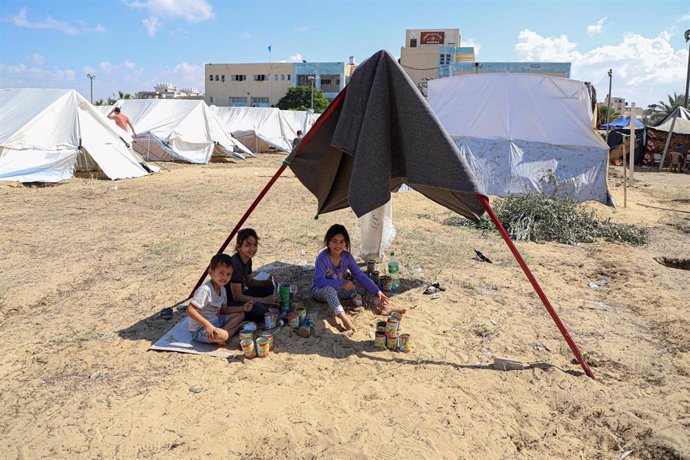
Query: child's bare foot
{"points": [[386, 310]]}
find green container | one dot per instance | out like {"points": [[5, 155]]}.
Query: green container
{"points": [[284, 295]]}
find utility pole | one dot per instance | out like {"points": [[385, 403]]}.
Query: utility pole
{"points": [[687, 78], [608, 107], [91, 77]]}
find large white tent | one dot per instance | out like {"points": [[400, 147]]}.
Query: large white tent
{"points": [[524, 132], [294, 120], [47, 134], [259, 128], [178, 129]]}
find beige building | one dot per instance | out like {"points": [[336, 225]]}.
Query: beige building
{"points": [[621, 106], [170, 91], [428, 53], [264, 84]]}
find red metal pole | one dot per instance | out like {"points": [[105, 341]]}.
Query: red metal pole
{"points": [[322, 119], [521, 261]]}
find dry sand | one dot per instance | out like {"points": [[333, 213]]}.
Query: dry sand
{"points": [[86, 266]]}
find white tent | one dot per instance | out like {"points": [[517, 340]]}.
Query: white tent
{"points": [[681, 125], [178, 129], [294, 120], [259, 128], [524, 132], [47, 134]]}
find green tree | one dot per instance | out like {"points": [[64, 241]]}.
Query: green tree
{"points": [[299, 98], [120, 95], [664, 109], [602, 110]]}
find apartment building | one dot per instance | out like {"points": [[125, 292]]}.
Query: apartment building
{"points": [[438, 53], [169, 91], [264, 84]]}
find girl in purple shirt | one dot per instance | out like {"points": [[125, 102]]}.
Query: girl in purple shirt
{"points": [[329, 283]]}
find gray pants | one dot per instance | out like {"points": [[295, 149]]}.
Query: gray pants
{"points": [[332, 296]]}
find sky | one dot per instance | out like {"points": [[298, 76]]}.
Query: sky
{"points": [[131, 45]]}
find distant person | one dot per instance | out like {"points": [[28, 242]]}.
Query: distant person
{"points": [[121, 120], [296, 141], [210, 318], [678, 156]]}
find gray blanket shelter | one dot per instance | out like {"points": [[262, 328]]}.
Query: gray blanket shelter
{"points": [[383, 135]]}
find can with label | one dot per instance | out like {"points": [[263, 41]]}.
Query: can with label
{"points": [[293, 320], [392, 326], [248, 348], [371, 266], [302, 312], [380, 340], [381, 326], [284, 293], [268, 335], [262, 347], [270, 320], [404, 343], [376, 277], [246, 335], [392, 342]]}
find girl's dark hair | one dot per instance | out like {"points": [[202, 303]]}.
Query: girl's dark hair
{"points": [[334, 230], [220, 259], [243, 235]]}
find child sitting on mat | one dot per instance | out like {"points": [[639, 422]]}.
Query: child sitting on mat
{"points": [[242, 286], [329, 283], [210, 318]]}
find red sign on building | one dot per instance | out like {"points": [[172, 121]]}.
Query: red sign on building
{"points": [[432, 38]]}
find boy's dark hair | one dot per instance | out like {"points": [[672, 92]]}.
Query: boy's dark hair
{"points": [[299, 132], [220, 259], [244, 234], [116, 110], [334, 230]]}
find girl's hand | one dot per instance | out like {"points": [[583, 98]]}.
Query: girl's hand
{"points": [[271, 299], [384, 300], [247, 307], [349, 285]]}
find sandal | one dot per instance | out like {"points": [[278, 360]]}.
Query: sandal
{"points": [[433, 288]]}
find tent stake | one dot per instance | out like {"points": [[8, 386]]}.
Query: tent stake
{"points": [[521, 261], [321, 120]]}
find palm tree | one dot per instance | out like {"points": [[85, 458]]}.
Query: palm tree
{"points": [[664, 109], [120, 95], [601, 114]]}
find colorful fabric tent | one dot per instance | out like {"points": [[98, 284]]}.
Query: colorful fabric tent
{"points": [[524, 132], [48, 134], [178, 129]]}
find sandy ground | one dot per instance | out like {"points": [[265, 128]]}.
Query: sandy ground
{"points": [[86, 266]]}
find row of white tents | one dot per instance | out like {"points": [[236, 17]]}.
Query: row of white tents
{"points": [[48, 134], [519, 132]]}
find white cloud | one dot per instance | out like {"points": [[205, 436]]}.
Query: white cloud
{"points": [[189, 10], [188, 75], [300, 29], [645, 69], [37, 59], [23, 76], [297, 57], [21, 20], [597, 28], [152, 25]]}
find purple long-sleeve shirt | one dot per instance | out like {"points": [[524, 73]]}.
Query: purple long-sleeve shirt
{"points": [[327, 274]]}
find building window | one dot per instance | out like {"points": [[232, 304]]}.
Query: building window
{"points": [[210, 78], [288, 77], [275, 77], [238, 77], [282, 77], [261, 77], [413, 42], [237, 101], [210, 99], [260, 102], [444, 59], [222, 78], [217, 77], [326, 81]]}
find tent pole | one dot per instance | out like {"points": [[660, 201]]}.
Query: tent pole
{"points": [[521, 261], [668, 140], [322, 119]]}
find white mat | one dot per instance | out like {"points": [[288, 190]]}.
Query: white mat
{"points": [[180, 339]]}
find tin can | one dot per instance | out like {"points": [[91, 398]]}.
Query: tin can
{"points": [[246, 335], [302, 312], [284, 293], [386, 283], [371, 266], [392, 342], [248, 348], [262, 347], [376, 277], [293, 320], [270, 320], [269, 336], [392, 326], [399, 317], [404, 343], [380, 340], [381, 326]]}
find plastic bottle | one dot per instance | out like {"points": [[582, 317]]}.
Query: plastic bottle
{"points": [[394, 273]]}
